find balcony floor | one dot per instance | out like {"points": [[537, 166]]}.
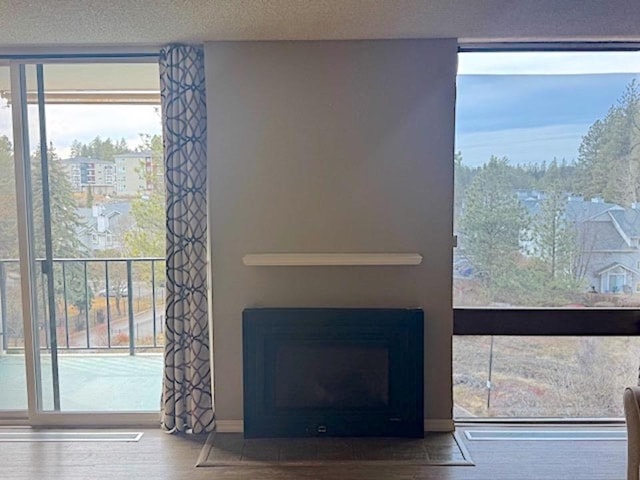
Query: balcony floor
{"points": [[88, 382]]}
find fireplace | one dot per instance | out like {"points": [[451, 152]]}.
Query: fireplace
{"points": [[333, 372]]}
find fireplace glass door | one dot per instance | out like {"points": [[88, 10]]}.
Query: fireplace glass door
{"points": [[333, 371]]}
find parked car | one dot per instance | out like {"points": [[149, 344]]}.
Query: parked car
{"points": [[122, 291]]}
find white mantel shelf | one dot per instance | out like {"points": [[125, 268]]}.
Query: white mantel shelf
{"points": [[330, 259]]}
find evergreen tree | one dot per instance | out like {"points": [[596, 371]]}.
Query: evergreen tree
{"points": [[554, 241], [99, 149], [147, 236], [8, 214], [76, 149], [609, 155], [463, 175], [89, 199], [154, 176], [121, 146], [65, 224], [492, 222], [64, 219]]}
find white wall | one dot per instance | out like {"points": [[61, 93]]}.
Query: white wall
{"points": [[331, 147]]}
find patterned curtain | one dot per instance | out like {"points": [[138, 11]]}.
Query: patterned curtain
{"points": [[187, 404]]}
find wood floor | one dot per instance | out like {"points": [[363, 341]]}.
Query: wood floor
{"points": [[159, 456]]}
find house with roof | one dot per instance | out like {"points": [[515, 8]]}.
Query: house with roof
{"points": [[608, 237], [102, 225]]}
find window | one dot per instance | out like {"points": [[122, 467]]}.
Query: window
{"points": [[506, 376], [615, 282], [546, 187], [547, 182], [97, 258]]}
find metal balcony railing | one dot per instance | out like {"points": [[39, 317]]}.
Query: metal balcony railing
{"points": [[101, 303]]}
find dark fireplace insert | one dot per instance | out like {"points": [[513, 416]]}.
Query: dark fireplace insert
{"points": [[333, 372]]}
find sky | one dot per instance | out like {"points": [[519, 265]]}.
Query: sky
{"points": [[534, 107], [66, 123], [529, 107]]}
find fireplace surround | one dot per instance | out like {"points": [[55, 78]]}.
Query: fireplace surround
{"points": [[333, 372]]}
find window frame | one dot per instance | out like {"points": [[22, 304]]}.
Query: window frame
{"points": [[17, 60], [546, 321]]}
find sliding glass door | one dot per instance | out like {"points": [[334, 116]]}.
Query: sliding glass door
{"points": [[89, 147], [13, 393]]}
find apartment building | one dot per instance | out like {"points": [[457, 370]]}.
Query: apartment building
{"points": [[133, 173], [85, 172]]}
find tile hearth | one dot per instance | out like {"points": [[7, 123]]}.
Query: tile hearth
{"points": [[229, 449]]}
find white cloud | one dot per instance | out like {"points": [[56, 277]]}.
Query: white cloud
{"points": [[66, 123], [547, 63], [522, 145]]}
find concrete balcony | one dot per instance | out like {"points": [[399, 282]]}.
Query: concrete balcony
{"points": [[103, 331]]}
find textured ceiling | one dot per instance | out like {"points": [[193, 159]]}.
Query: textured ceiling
{"points": [[155, 22]]}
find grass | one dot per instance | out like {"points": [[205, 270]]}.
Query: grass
{"points": [[544, 376]]}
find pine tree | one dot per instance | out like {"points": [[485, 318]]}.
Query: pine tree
{"points": [[64, 219], [155, 175], [8, 214], [609, 155], [65, 224], [463, 176], [99, 149], [554, 240], [76, 149], [147, 236], [89, 199], [492, 222]]}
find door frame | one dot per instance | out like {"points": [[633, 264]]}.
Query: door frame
{"points": [[34, 416]]}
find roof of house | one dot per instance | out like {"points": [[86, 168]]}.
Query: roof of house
{"points": [[582, 210], [611, 226], [606, 236], [81, 160], [629, 220], [110, 210], [146, 153], [616, 265]]}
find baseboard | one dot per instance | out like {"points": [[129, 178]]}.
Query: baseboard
{"points": [[431, 425], [439, 425], [229, 426]]}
